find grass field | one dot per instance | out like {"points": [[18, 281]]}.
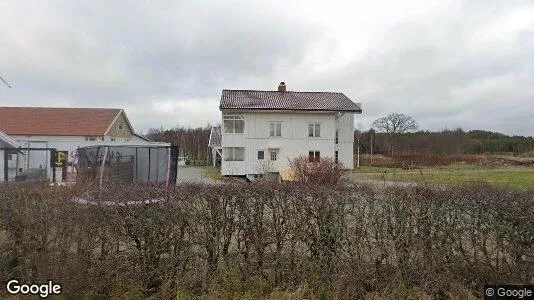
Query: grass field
{"points": [[512, 177], [210, 172]]}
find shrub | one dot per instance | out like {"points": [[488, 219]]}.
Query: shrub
{"points": [[268, 240], [324, 171]]}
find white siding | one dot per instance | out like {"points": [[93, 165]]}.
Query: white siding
{"points": [[345, 125], [293, 142]]}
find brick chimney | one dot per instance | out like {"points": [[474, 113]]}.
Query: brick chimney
{"points": [[282, 87]]}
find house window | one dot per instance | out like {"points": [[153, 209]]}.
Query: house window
{"points": [[314, 156], [337, 137], [273, 156], [234, 154], [275, 129], [11, 157], [336, 156], [90, 138], [120, 127], [112, 139], [314, 130], [261, 154], [234, 124]]}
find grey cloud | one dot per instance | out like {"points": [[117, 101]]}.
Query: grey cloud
{"points": [[442, 66]]}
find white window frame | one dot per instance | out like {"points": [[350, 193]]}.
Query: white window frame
{"points": [[315, 129], [275, 129], [233, 118], [273, 157], [263, 155], [120, 126], [233, 154]]}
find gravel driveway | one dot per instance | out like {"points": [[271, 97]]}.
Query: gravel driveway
{"points": [[192, 174]]}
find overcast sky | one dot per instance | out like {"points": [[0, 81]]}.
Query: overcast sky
{"points": [[448, 64]]}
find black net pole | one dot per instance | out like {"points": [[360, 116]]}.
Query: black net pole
{"points": [[174, 164], [149, 163], [53, 165], [158, 165], [5, 166]]}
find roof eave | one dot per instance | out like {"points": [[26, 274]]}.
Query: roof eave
{"points": [[8, 140], [288, 109]]}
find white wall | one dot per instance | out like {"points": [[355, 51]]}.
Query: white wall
{"points": [[345, 146], [293, 142]]}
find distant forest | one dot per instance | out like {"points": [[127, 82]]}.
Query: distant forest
{"points": [[446, 142], [193, 142]]}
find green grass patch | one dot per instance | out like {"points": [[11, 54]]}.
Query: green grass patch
{"points": [[522, 178], [210, 172]]}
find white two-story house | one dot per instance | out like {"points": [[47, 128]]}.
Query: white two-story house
{"points": [[262, 131]]}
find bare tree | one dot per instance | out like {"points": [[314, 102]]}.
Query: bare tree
{"points": [[395, 123]]}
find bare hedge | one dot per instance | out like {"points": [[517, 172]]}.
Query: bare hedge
{"points": [[261, 240]]}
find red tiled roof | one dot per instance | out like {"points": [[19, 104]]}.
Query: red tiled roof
{"points": [[275, 100], [56, 121]]}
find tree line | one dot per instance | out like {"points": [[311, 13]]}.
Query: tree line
{"points": [[445, 142], [398, 134], [192, 142]]}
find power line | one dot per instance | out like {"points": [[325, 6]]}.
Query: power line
{"points": [[5, 82]]}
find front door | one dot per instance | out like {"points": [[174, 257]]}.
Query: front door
{"points": [[273, 160]]}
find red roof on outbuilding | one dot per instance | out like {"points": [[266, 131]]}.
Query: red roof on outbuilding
{"points": [[56, 121]]}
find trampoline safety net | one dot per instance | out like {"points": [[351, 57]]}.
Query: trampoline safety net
{"points": [[122, 164]]}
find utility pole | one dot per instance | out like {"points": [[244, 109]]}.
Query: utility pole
{"points": [[371, 149], [358, 156]]}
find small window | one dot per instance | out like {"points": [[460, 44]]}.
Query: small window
{"points": [[234, 124], [120, 126], [275, 129], [90, 138], [314, 130], [314, 156], [273, 156], [337, 156], [337, 137], [11, 157], [261, 154], [112, 139]]}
